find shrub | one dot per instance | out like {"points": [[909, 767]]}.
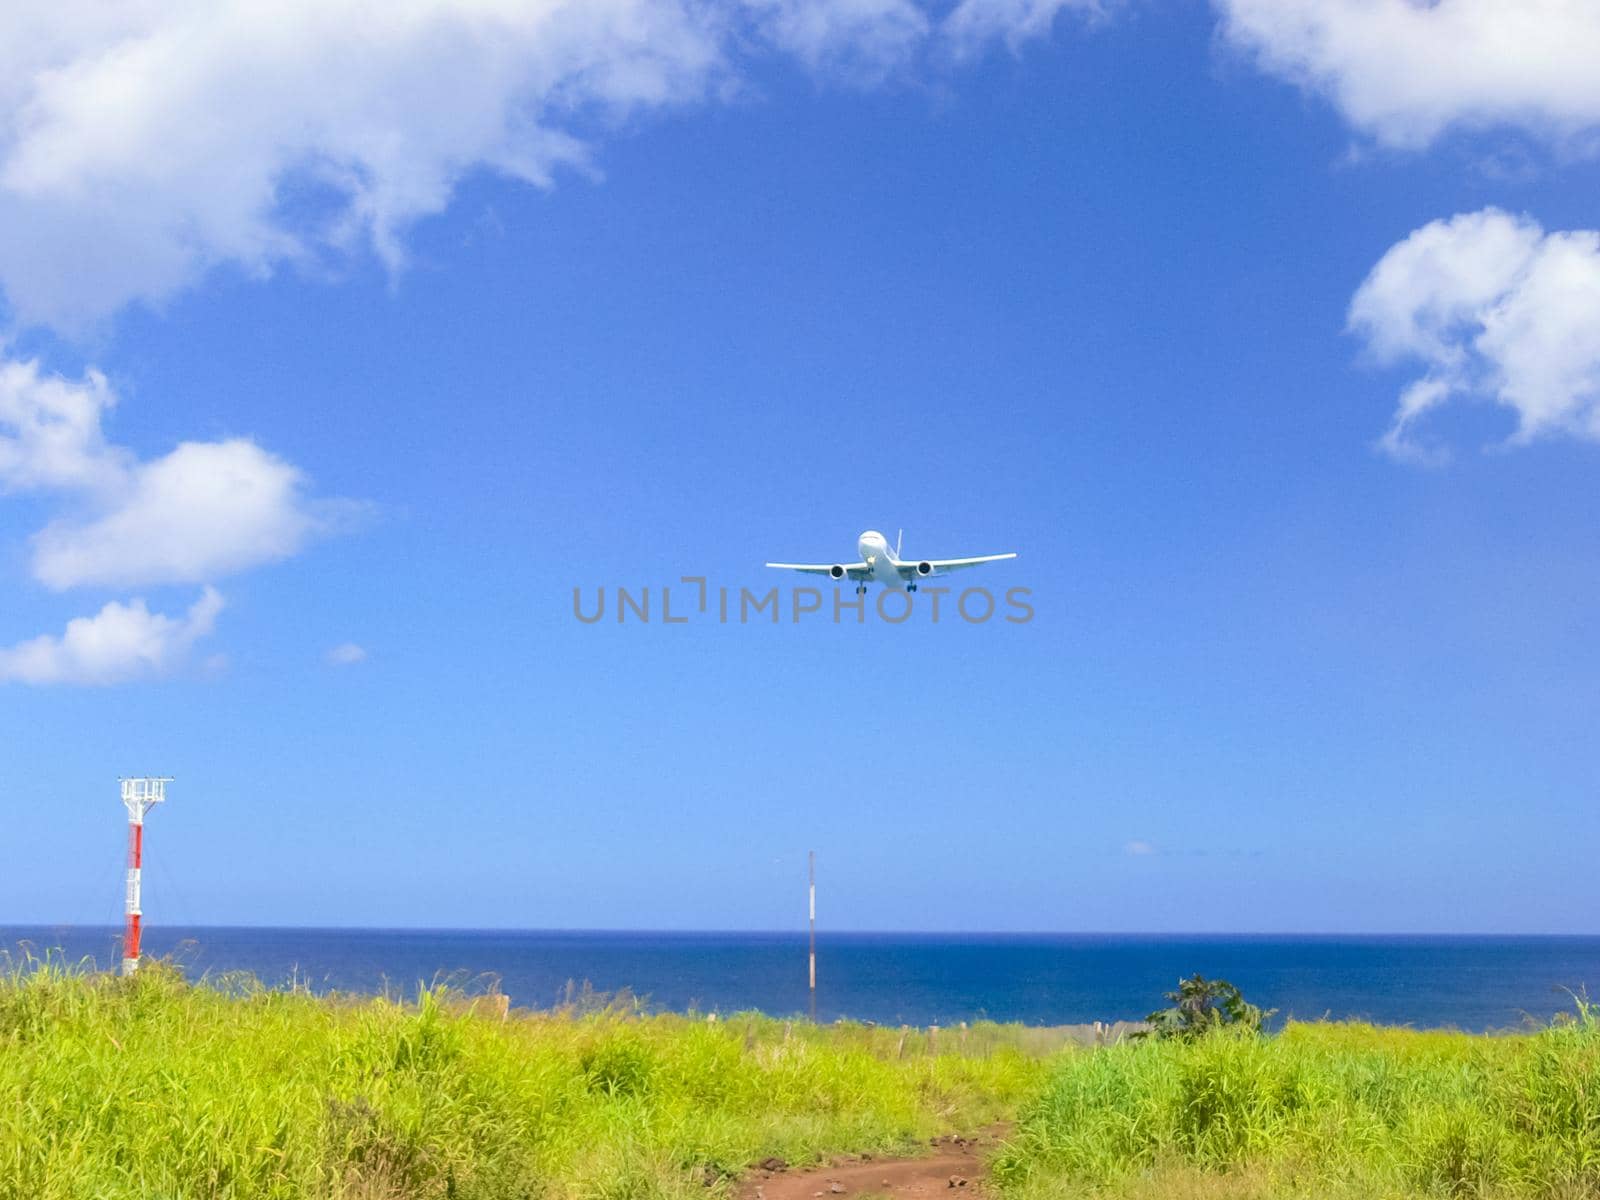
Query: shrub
{"points": [[1201, 1005]]}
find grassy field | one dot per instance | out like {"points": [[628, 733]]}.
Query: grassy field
{"points": [[147, 1087], [1319, 1110], [153, 1088]]}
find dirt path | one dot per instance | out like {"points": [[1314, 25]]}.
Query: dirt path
{"points": [[952, 1168]]}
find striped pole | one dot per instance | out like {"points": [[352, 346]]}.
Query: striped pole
{"points": [[812, 871], [139, 796], [130, 940]]}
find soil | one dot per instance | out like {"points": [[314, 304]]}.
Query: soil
{"points": [[953, 1169]]}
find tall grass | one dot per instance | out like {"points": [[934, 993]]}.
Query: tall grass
{"points": [[1319, 1110], [151, 1087], [154, 1088]]}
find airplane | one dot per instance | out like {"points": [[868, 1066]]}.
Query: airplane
{"points": [[883, 565]]}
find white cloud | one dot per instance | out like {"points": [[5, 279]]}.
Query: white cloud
{"points": [[1405, 71], [864, 36], [1138, 848], [974, 22], [50, 430], [205, 510], [346, 654], [1495, 308], [202, 511], [123, 642], [145, 143]]}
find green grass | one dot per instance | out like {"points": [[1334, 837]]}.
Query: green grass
{"points": [[152, 1088], [1319, 1110], [149, 1087]]}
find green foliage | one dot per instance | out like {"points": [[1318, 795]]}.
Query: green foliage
{"points": [[1200, 1006], [150, 1087], [619, 1064], [1319, 1110]]}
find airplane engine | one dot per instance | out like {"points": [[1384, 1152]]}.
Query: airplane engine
{"points": [[836, 572], [924, 569]]}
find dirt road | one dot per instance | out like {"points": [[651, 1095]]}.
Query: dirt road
{"points": [[952, 1168]]}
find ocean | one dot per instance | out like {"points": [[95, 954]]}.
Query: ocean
{"points": [[1473, 983]]}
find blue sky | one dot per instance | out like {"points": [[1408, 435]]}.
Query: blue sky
{"points": [[1102, 290]]}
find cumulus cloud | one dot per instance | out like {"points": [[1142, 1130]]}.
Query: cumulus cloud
{"points": [[50, 433], [1404, 71], [973, 23], [865, 36], [145, 143], [1495, 308], [122, 643], [347, 654], [205, 510], [202, 511]]}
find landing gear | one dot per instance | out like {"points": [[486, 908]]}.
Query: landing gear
{"points": [[861, 589], [911, 587]]}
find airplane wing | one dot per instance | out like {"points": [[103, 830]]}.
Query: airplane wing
{"points": [[939, 566], [856, 570]]}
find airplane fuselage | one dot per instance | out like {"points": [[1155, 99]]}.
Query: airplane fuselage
{"points": [[887, 567], [879, 556]]}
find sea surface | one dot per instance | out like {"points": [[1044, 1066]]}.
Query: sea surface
{"points": [[1473, 983]]}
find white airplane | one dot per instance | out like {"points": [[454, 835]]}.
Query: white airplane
{"points": [[883, 565]]}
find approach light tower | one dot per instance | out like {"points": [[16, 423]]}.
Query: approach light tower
{"points": [[139, 796]]}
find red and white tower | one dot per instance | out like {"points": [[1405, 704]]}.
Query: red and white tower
{"points": [[139, 796]]}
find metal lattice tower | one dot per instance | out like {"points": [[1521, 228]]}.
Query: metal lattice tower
{"points": [[139, 796]]}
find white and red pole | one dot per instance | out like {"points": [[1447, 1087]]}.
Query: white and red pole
{"points": [[130, 940], [139, 796], [811, 897]]}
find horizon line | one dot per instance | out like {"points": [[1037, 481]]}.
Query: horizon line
{"points": [[801, 932]]}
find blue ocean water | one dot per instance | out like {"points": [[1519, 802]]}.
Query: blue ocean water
{"points": [[1473, 983]]}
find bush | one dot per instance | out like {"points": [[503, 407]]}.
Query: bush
{"points": [[1201, 1005]]}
